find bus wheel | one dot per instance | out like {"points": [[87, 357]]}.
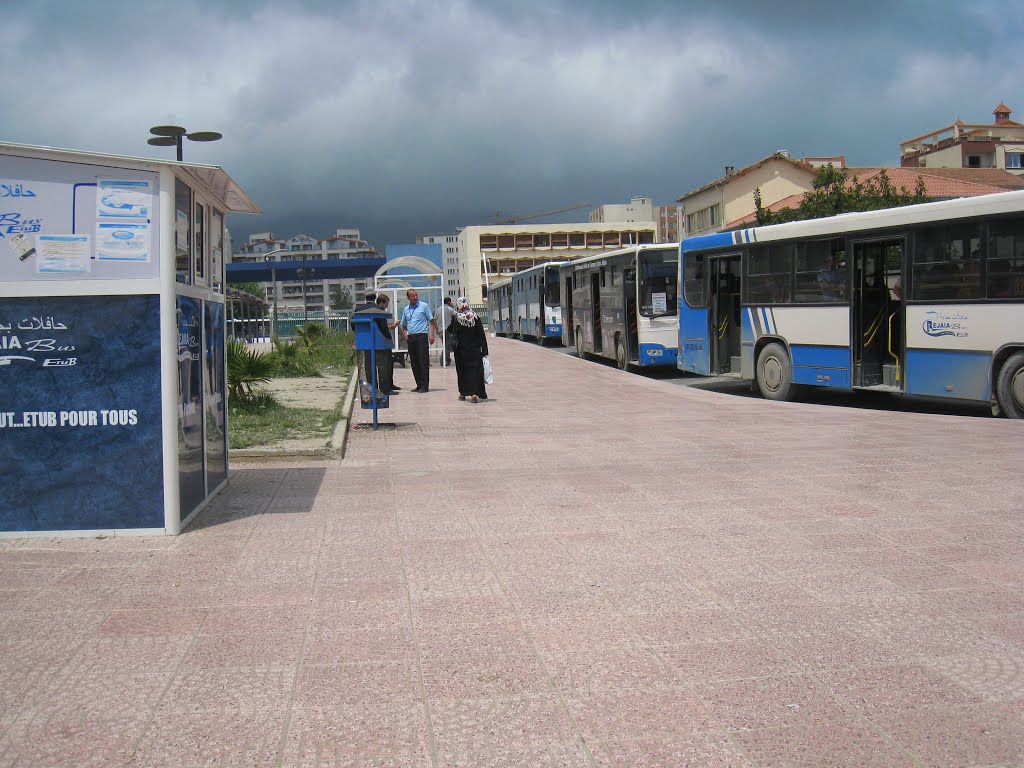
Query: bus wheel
{"points": [[1010, 387], [620, 354], [774, 375], [579, 342]]}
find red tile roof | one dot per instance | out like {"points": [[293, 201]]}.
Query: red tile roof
{"points": [[938, 183]]}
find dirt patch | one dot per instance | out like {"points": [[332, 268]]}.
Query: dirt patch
{"points": [[323, 392]]}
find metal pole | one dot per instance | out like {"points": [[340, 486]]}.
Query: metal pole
{"points": [[178, 146], [372, 376], [273, 322]]}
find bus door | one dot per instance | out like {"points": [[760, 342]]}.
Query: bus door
{"points": [[568, 326], [877, 314], [595, 302], [632, 335], [724, 315]]}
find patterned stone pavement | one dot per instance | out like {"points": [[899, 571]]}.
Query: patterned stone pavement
{"points": [[592, 568]]}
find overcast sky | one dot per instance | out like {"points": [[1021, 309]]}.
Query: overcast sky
{"points": [[405, 117]]}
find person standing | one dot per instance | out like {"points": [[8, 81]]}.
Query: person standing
{"points": [[470, 349], [385, 361], [449, 332], [420, 329], [369, 302]]}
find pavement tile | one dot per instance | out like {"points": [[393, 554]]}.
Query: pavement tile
{"points": [[224, 691], [348, 685], [576, 673], [387, 643], [947, 736], [699, 750], [69, 739], [767, 702], [153, 622], [280, 648], [361, 734], [228, 738], [851, 743]]}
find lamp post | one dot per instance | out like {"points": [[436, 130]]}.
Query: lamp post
{"points": [[273, 279], [171, 136]]}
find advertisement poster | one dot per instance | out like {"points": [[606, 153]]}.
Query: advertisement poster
{"points": [[62, 253], [123, 199], [80, 425], [191, 481], [122, 242], [214, 378]]}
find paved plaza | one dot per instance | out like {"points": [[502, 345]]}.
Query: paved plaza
{"points": [[593, 568]]}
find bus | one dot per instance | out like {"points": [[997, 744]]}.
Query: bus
{"points": [[536, 309], [499, 306], [622, 305], [922, 300]]}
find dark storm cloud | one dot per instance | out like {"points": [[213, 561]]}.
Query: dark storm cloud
{"points": [[407, 116]]}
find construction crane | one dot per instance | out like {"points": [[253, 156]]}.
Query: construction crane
{"points": [[498, 219]]}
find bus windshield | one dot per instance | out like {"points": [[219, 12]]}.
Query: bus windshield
{"points": [[658, 278]]}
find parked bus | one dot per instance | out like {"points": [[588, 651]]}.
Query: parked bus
{"points": [[536, 309], [622, 305], [499, 306], [923, 300]]}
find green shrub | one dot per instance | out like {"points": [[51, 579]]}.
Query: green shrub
{"points": [[246, 368]]}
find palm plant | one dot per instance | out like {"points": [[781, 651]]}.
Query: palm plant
{"points": [[246, 368], [311, 334]]}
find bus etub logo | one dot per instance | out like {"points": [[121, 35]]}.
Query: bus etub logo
{"points": [[945, 324]]}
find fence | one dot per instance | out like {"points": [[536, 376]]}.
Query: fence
{"points": [[262, 328]]}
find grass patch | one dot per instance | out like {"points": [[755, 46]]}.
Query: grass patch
{"points": [[262, 420], [310, 354]]}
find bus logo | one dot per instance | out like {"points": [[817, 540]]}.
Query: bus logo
{"points": [[945, 324]]}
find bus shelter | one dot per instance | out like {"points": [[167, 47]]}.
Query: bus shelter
{"points": [[398, 276], [112, 340]]}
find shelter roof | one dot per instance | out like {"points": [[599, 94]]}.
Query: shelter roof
{"points": [[215, 178], [328, 269]]}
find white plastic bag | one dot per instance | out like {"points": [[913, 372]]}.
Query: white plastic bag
{"points": [[488, 371]]}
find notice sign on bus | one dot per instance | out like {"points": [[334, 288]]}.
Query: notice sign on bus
{"points": [[659, 303]]}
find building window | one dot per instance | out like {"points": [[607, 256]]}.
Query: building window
{"points": [[1013, 160], [973, 161]]}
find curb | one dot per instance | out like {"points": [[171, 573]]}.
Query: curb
{"points": [[335, 449], [338, 439]]}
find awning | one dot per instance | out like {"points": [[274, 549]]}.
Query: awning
{"points": [[331, 269]]}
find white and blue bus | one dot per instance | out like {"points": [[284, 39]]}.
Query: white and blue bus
{"points": [[499, 306], [535, 305], [923, 300], [622, 305]]}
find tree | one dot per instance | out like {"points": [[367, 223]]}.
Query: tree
{"points": [[341, 297], [834, 192], [256, 289]]}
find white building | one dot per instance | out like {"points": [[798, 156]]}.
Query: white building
{"points": [[638, 209], [318, 294], [450, 250], [496, 249]]}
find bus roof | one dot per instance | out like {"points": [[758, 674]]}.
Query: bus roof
{"points": [[861, 221]]}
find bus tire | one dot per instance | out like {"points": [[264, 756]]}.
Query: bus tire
{"points": [[1010, 387], [774, 373], [620, 354], [579, 342]]}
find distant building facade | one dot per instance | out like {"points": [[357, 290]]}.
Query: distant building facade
{"points": [[488, 251], [999, 144], [311, 294], [450, 252]]}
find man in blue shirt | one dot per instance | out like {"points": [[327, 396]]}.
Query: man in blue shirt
{"points": [[420, 329]]}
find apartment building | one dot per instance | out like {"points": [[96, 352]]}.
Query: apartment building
{"points": [[499, 249], [999, 144], [309, 293]]}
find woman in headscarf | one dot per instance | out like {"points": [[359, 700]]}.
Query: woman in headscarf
{"points": [[470, 349]]}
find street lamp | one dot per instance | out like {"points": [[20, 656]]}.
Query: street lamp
{"points": [[171, 135], [273, 279]]}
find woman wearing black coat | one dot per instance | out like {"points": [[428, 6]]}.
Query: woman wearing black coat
{"points": [[470, 350]]}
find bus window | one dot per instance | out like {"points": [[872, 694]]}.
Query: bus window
{"points": [[659, 272], [1006, 260], [769, 274], [821, 274], [693, 280], [947, 263]]}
